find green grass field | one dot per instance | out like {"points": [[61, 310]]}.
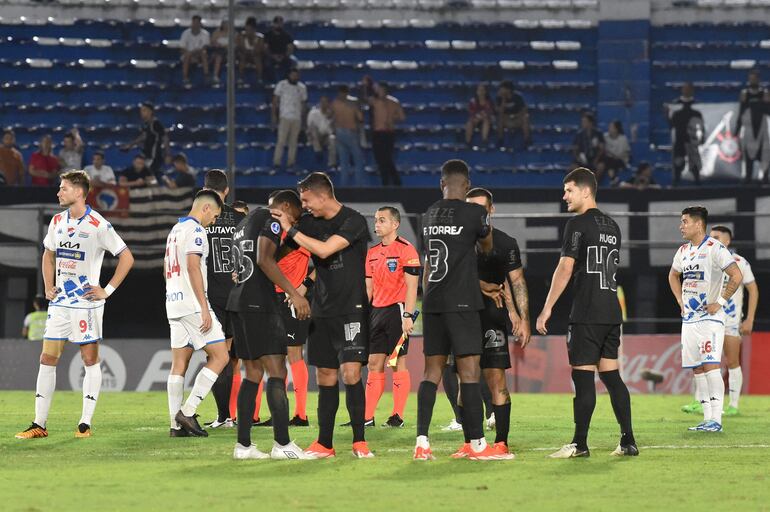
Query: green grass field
{"points": [[132, 464]]}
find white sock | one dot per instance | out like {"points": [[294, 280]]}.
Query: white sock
{"points": [[716, 394], [422, 442], [735, 381], [478, 445], [92, 384], [203, 382], [175, 389], [702, 394], [46, 384]]}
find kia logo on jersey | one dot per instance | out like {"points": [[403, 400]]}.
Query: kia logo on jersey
{"points": [[69, 245]]}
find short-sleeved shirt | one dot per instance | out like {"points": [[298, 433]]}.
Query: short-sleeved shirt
{"points": [[291, 97], [35, 324], [504, 257], [701, 267], [186, 237], [278, 42], [47, 163], [514, 105], [221, 261], [451, 228], [192, 42], [340, 286], [734, 307], [587, 143], [254, 291], [593, 239], [386, 266], [294, 266], [79, 246], [103, 173], [73, 159]]}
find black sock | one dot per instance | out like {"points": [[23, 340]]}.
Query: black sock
{"points": [[502, 422], [355, 399], [328, 403], [426, 399], [278, 403], [246, 397], [486, 394], [221, 391], [583, 405], [465, 429], [621, 403], [452, 389], [473, 409]]}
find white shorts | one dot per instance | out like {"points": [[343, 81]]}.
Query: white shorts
{"points": [[733, 327], [702, 343], [80, 326], [186, 332]]}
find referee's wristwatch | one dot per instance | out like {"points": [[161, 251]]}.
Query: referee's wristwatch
{"points": [[407, 314]]}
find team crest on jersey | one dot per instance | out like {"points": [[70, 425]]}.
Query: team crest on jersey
{"points": [[275, 228], [198, 241], [392, 265], [70, 231]]}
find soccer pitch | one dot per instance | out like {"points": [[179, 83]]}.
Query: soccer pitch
{"points": [[132, 464]]}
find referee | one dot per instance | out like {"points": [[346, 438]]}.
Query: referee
{"points": [[590, 256]]}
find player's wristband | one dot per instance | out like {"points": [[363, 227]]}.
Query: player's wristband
{"points": [[109, 289], [722, 301], [292, 232], [307, 282]]}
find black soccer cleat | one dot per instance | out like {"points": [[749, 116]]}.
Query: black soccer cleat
{"points": [[177, 432], [394, 421], [267, 423], [367, 423], [190, 424], [296, 421]]}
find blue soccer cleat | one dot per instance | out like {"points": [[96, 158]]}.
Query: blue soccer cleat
{"points": [[699, 427], [712, 426]]}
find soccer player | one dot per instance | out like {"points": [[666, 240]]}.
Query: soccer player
{"points": [[392, 275], [590, 256], [260, 335], [192, 325], [697, 282], [452, 301], [220, 266], [72, 261], [336, 236], [502, 265]]}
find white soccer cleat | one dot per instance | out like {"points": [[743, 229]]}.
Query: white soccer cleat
{"points": [[569, 451], [453, 426], [491, 422], [289, 452], [246, 453], [228, 423]]}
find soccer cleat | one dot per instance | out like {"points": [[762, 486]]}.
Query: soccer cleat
{"points": [[394, 421], [463, 452], [361, 450], [228, 423], [289, 452], [698, 427], [177, 432], [489, 453], [190, 424], [502, 449], [731, 411], [32, 432], [421, 453], [454, 426], [319, 451], [267, 423], [83, 430], [712, 426], [629, 450], [693, 407], [367, 423], [296, 421], [569, 451], [241, 452], [491, 422]]}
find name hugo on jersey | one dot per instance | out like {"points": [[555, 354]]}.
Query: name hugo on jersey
{"points": [[442, 230]]}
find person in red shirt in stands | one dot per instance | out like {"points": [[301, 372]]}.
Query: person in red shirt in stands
{"points": [[44, 167], [392, 274]]}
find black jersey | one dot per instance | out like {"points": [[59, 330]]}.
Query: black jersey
{"points": [[502, 259], [254, 291], [754, 102], [593, 240], [451, 228], [340, 286], [220, 263], [688, 126]]}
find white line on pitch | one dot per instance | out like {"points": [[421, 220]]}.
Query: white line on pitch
{"points": [[652, 447]]}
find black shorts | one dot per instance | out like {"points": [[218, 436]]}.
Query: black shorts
{"points": [[338, 339], [296, 330], [494, 328], [225, 318], [385, 330], [587, 343], [258, 334], [456, 332]]}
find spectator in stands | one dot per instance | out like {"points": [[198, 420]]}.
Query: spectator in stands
{"points": [[182, 175], [512, 113], [44, 167], [71, 153], [280, 46], [193, 43], [588, 146], [288, 111], [755, 106], [618, 151], [34, 323], [138, 174], [386, 114], [153, 139], [320, 133], [100, 173], [348, 119], [481, 112], [11, 161], [251, 49], [688, 133], [219, 40], [642, 178]]}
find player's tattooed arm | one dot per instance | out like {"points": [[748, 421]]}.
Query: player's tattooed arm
{"points": [[735, 280], [322, 249], [494, 291], [675, 283], [521, 297]]}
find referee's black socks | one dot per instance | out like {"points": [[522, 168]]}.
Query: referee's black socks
{"points": [[246, 405], [621, 404], [328, 403], [473, 409], [583, 405], [426, 399], [355, 399], [278, 403]]}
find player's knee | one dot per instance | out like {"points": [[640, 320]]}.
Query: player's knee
{"points": [[48, 359], [351, 375]]}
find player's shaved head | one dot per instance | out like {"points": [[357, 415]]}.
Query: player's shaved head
{"points": [[723, 229], [289, 197], [207, 196], [318, 182], [455, 170], [583, 178]]}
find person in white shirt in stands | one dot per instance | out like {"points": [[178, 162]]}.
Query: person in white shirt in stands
{"points": [[71, 154], [101, 174], [219, 40], [320, 133], [617, 152], [193, 43], [289, 104]]}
